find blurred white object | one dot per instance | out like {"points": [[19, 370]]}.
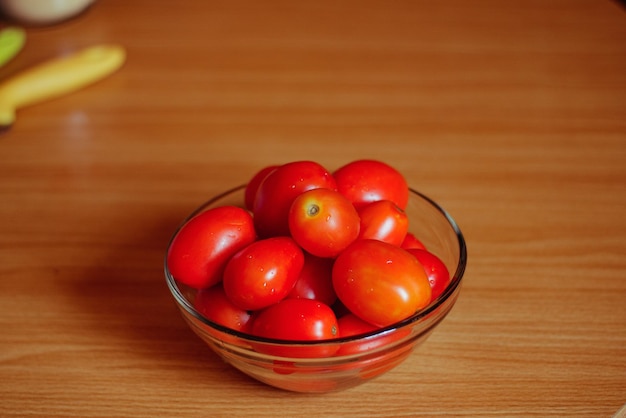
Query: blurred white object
{"points": [[40, 12]]}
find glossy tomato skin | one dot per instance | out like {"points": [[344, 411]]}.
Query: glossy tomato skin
{"points": [[315, 280], [365, 181], [383, 220], [379, 282], [263, 273], [200, 250], [297, 320], [436, 270], [411, 241], [323, 222], [214, 305], [278, 190], [253, 185]]}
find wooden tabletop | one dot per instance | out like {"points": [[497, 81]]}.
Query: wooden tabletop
{"points": [[511, 114]]}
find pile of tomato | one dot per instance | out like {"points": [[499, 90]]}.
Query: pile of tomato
{"points": [[310, 255]]}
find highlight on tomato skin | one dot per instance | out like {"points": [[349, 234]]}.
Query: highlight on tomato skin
{"points": [[296, 320], [201, 248], [383, 220], [323, 222], [437, 272], [365, 181], [214, 305], [379, 282], [278, 190], [263, 273]]}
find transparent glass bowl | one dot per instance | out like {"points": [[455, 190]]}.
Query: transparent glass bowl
{"points": [[357, 359]]}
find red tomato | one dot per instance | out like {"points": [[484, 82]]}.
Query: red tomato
{"points": [[253, 185], [351, 325], [214, 305], [411, 241], [200, 250], [279, 189], [365, 181], [371, 365], [383, 220], [323, 222], [296, 320], [315, 281], [379, 282], [263, 273], [436, 270]]}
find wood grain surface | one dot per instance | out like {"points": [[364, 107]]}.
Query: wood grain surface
{"points": [[511, 114]]}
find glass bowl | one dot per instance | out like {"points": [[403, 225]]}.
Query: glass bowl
{"points": [[356, 359]]}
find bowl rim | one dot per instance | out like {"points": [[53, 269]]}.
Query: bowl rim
{"points": [[455, 282]]}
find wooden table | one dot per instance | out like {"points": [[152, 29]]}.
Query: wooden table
{"points": [[512, 115]]}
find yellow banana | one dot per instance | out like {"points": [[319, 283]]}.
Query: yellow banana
{"points": [[57, 77]]}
